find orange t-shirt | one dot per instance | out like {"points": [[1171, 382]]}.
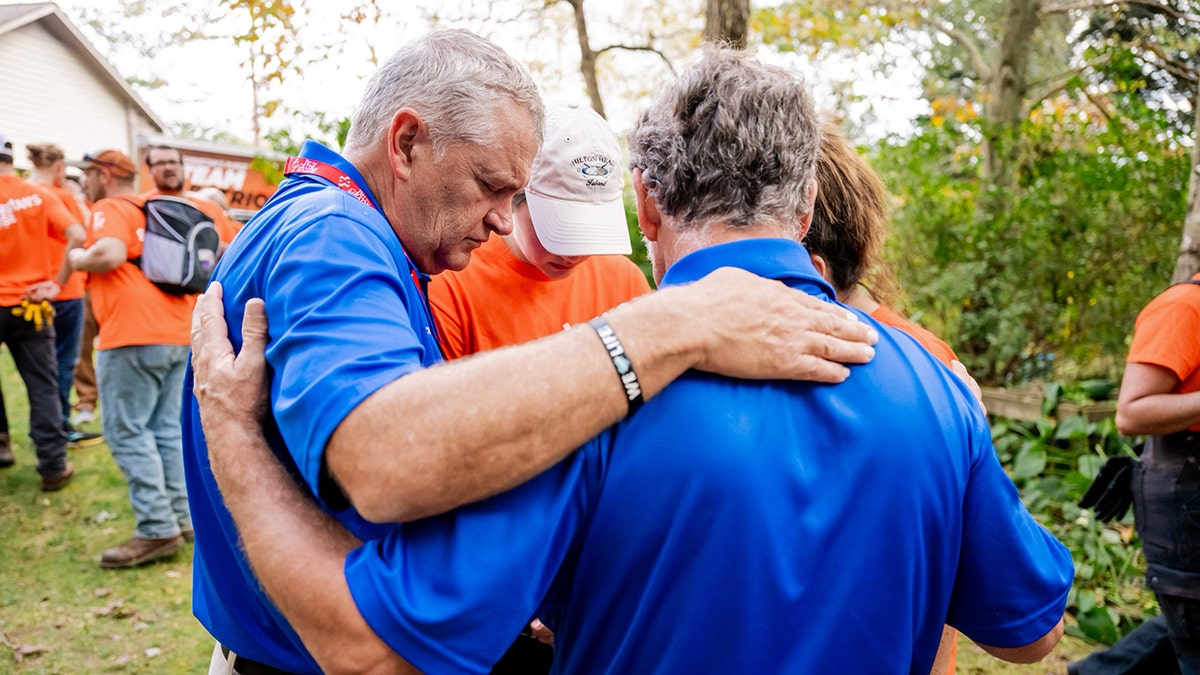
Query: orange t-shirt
{"points": [[1167, 334], [30, 216], [128, 307], [499, 300], [932, 343], [77, 282]]}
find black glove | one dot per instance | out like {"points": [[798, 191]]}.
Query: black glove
{"points": [[1112, 492]]}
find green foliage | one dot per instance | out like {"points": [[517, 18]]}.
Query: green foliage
{"points": [[1052, 464], [1087, 239]]}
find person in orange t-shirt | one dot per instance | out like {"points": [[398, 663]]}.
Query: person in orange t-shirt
{"points": [[143, 347], [50, 171], [30, 217], [844, 240], [563, 264], [1160, 398]]}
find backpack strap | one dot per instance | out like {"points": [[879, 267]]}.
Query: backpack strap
{"points": [[140, 207]]}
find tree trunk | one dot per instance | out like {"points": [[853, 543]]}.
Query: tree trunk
{"points": [[727, 20], [1188, 262], [1007, 92], [587, 58]]}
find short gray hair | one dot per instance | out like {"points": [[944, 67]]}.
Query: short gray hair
{"points": [[455, 80], [731, 141]]}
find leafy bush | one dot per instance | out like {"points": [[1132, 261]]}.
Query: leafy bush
{"points": [[1052, 463], [1062, 269]]}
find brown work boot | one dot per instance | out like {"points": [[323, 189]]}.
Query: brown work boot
{"points": [[139, 551], [6, 456], [58, 481]]}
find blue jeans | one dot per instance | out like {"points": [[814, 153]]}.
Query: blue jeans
{"points": [[68, 329], [141, 392]]}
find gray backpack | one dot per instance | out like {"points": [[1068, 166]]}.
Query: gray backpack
{"points": [[179, 250]]}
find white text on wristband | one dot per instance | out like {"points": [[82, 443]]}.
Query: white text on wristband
{"points": [[621, 362]]}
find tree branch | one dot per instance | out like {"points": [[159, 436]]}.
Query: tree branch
{"points": [[1097, 4], [1055, 84], [639, 48], [1177, 68], [974, 53]]}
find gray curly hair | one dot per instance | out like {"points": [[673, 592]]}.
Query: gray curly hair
{"points": [[455, 80], [731, 141]]}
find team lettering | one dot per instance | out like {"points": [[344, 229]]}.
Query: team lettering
{"points": [[8, 210]]}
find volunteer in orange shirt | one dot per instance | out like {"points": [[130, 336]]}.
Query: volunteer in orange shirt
{"points": [[563, 264], [50, 171], [847, 232], [1160, 398], [29, 217], [143, 346]]}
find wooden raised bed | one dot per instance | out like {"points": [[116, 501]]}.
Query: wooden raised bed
{"points": [[1026, 404]]}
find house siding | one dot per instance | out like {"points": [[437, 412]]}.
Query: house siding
{"points": [[51, 94]]}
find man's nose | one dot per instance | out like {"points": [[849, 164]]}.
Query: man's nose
{"points": [[500, 218]]}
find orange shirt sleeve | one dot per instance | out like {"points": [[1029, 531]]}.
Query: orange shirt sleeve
{"points": [[120, 219], [1167, 334]]}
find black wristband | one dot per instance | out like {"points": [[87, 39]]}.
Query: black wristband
{"points": [[624, 367]]}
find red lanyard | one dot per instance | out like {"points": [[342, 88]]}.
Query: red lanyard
{"points": [[312, 167]]}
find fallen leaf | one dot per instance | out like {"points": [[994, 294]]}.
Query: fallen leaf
{"points": [[101, 592], [29, 650], [115, 610], [173, 574], [122, 659], [103, 516], [153, 652]]}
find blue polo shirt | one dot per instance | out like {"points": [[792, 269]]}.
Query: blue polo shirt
{"points": [[346, 317], [739, 527]]}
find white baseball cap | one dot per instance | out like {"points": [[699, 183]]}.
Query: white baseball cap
{"points": [[575, 186]]}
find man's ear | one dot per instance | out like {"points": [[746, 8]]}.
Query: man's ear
{"points": [[649, 218], [821, 266], [405, 133]]}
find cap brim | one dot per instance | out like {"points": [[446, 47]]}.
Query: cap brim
{"points": [[579, 228], [78, 163]]}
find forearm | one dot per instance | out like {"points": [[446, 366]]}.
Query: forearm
{"points": [[945, 652], [481, 425], [1159, 414], [292, 544], [1030, 653], [75, 237], [462, 431], [97, 259]]}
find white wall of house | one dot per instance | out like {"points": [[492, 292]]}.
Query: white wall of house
{"points": [[50, 93]]}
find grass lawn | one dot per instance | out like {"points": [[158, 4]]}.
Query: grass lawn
{"points": [[61, 613]]}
